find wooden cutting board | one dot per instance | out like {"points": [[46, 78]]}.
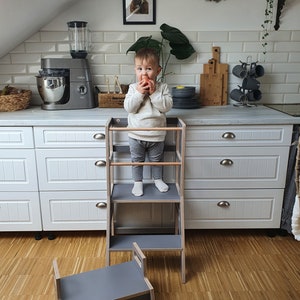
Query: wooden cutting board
{"points": [[211, 85], [221, 69], [221, 79]]}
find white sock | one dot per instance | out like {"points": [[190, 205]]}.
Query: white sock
{"points": [[137, 189], [161, 186]]}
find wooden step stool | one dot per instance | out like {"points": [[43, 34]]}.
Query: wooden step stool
{"points": [[122, 281]]}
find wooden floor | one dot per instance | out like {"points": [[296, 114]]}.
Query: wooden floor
{"points": [[221, 264]]}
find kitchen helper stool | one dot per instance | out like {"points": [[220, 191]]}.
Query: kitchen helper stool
{"points": [[122, 281]]}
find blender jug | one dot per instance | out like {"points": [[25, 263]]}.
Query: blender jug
{"points": [[78, 35]]}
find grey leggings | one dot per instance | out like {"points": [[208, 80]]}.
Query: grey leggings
{"points": [[138, 150]]}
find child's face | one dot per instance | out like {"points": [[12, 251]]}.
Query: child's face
{"points": [[146, 68]]}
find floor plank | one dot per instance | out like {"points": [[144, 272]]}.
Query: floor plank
{"points": [[221, 264]]}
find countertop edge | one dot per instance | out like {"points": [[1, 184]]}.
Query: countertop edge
{"points": [[204, 116]]}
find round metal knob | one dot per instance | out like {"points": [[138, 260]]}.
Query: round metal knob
{"points": [[101, 205], [228, 135], [223, 204], [99, 136], [226, 162], [100, 163]]}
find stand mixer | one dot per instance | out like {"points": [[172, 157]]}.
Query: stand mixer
{"points": [[65, 83]]}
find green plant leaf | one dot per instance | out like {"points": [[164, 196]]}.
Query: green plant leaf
{"points": [[182, 51], [173, 35], [145, 42]]}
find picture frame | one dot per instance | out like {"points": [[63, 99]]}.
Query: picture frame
{"points": [[139, 12]]}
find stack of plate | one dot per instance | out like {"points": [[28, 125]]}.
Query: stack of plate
{"points": [[184, 97]]}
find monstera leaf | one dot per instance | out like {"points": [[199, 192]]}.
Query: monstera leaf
{"points": [[145, 42], [178, 42], [173, 35]]}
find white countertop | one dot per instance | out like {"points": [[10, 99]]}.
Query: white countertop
{"points": [[209, 115]]}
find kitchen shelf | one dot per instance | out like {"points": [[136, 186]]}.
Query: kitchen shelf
{"points": [[119, 193]]}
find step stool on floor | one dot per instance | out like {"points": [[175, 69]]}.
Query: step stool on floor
{"points": [[122, 281]]}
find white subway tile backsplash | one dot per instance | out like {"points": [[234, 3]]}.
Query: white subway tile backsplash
{"points": [[4, 80], [24, 80], [119, 37], [12, 69], [287, 46], [293, 78], [57, 36], [97, 37], [40, 47], [63, 47], [294, 57], [96, 58], [284, 88], [107, 57], [280, 36], [105, 69], [213, 36], [118, 59], [105, 48], [286, 68], [295, 35], [243, 36], [25, 58]]}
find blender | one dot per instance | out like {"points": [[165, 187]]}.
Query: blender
{"points": [[78, 36]]}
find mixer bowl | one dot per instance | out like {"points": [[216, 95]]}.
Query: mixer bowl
{"points": [[51, 88]]}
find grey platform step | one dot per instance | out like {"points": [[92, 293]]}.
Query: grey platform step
{"points": [[146, 242], [122, 193]]}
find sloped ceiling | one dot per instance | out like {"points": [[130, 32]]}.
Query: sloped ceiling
{"points": [[20, 19]]}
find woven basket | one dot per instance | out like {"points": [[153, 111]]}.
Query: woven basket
{"points": [[111, 100], [15, 100]]}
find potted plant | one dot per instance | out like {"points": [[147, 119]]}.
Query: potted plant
{"points": [[179, 44]]}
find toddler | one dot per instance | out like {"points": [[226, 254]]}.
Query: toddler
{"points": [[146, 102]]}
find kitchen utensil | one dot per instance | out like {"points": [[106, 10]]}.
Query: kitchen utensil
{"points": [[51, 89], [78, 36], [221, 69], [65, 83], [211, 85], [250, 83], [240, 71], [254, 95], [256, 70], [238, 95], [117, 83], [221, 79]]}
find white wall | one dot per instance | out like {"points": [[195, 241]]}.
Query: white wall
{"points": [[189, 15]]}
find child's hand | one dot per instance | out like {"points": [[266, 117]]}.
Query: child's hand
{"points": [[143, 86], [148, 84]]}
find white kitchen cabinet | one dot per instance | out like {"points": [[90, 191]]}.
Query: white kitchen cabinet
{"points": [[72, 178], [235, 175], [19, 199]]}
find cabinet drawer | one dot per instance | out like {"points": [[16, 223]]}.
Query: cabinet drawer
{"points": [[255, 208], [76, 210], [237, 167], [273, 135], [18, 170], [69, 137], [16, 137], [71, 169], [20, 211]]}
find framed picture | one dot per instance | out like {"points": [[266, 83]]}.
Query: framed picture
{"points": [[139, 12]]}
